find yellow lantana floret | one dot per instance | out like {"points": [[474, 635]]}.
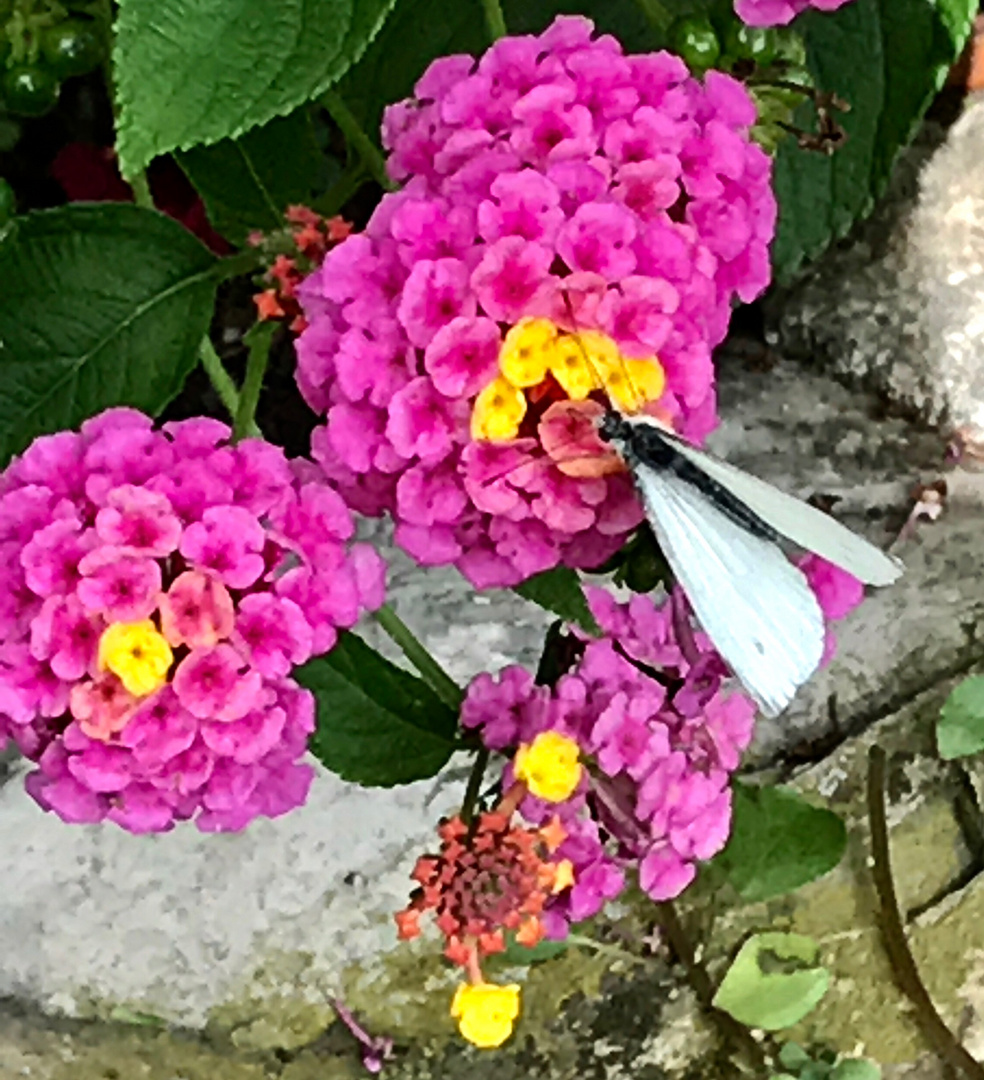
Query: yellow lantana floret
{"points": [[572, 366], [549, 766], [485, 1012], [138, 654], [630, 384], [525, 354], [498, 412]]}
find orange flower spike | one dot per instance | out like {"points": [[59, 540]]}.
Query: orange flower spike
{"points": [[553, 834], [407, 924], [563, 876], [458, 952], [267, 305], [488, 944], [530, 933]]}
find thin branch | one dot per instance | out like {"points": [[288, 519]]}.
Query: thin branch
{"points": [[470, 800], [699, 979], [657, 14], [438, 679], [494, 19], [357, 139], [259, 339], [903, 964], [222, 382]]}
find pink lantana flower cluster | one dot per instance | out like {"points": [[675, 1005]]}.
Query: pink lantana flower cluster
{"points": [[574, 222], [652, 709], [157, 587], [779, 12]]}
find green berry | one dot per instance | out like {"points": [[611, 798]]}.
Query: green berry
{"points": [[30, 90], [73, 47], [695, 42], [755, 43], [8, 202]]}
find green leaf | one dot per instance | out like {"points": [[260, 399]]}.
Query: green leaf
{"points": [[774, 982], [559, 590], [856, 1069], [197, 71], [779, 842], [887, 59], [793, 1056], [419, 31], [960, 728], [521, 955], [103, 304], [247, 183], [378, 725]]}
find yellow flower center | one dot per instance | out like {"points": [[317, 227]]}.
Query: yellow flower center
{"points": [[485, 1012], [138, 654], [580, 363], [549, 766]]}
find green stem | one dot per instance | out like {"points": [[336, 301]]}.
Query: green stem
{"points": [[431, 671], [221, 380], [903, 964], [470, 800], [259, 340], [141, 191], [331, 203], [679, 941], [357, 139], [605, 949], [494, 19], [656, 13], [243, 262]]}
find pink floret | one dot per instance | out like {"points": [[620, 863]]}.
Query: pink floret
{"points": [[215, 544]]}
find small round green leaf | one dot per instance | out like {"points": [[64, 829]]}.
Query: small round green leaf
{"points": [[779, 841], [960, 728], [774, 981], [520, 954]]}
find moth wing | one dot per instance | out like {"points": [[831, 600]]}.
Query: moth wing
{"points": [[805, 525], [755, 606]]}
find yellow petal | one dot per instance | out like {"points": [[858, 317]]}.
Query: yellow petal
{"points": [[549, 766], [138, 654], [498, 411], [486, 1013], [525, 353]]}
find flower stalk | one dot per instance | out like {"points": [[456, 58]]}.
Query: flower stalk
{"points": [[259, 339], [357, 138], [413, 649]]}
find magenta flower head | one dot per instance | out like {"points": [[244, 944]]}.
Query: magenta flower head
{"points": [[573, 227], [157, 590], [649, 705], [779, 12]]}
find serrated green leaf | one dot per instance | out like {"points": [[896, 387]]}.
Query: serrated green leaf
{"points": [[197, 71], [779, 841], [960, 728], [774, 982], [559, 590], [247, 183], [856, 1069], [103, 304], [887, 59], [378, 725], [419, 31]]}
